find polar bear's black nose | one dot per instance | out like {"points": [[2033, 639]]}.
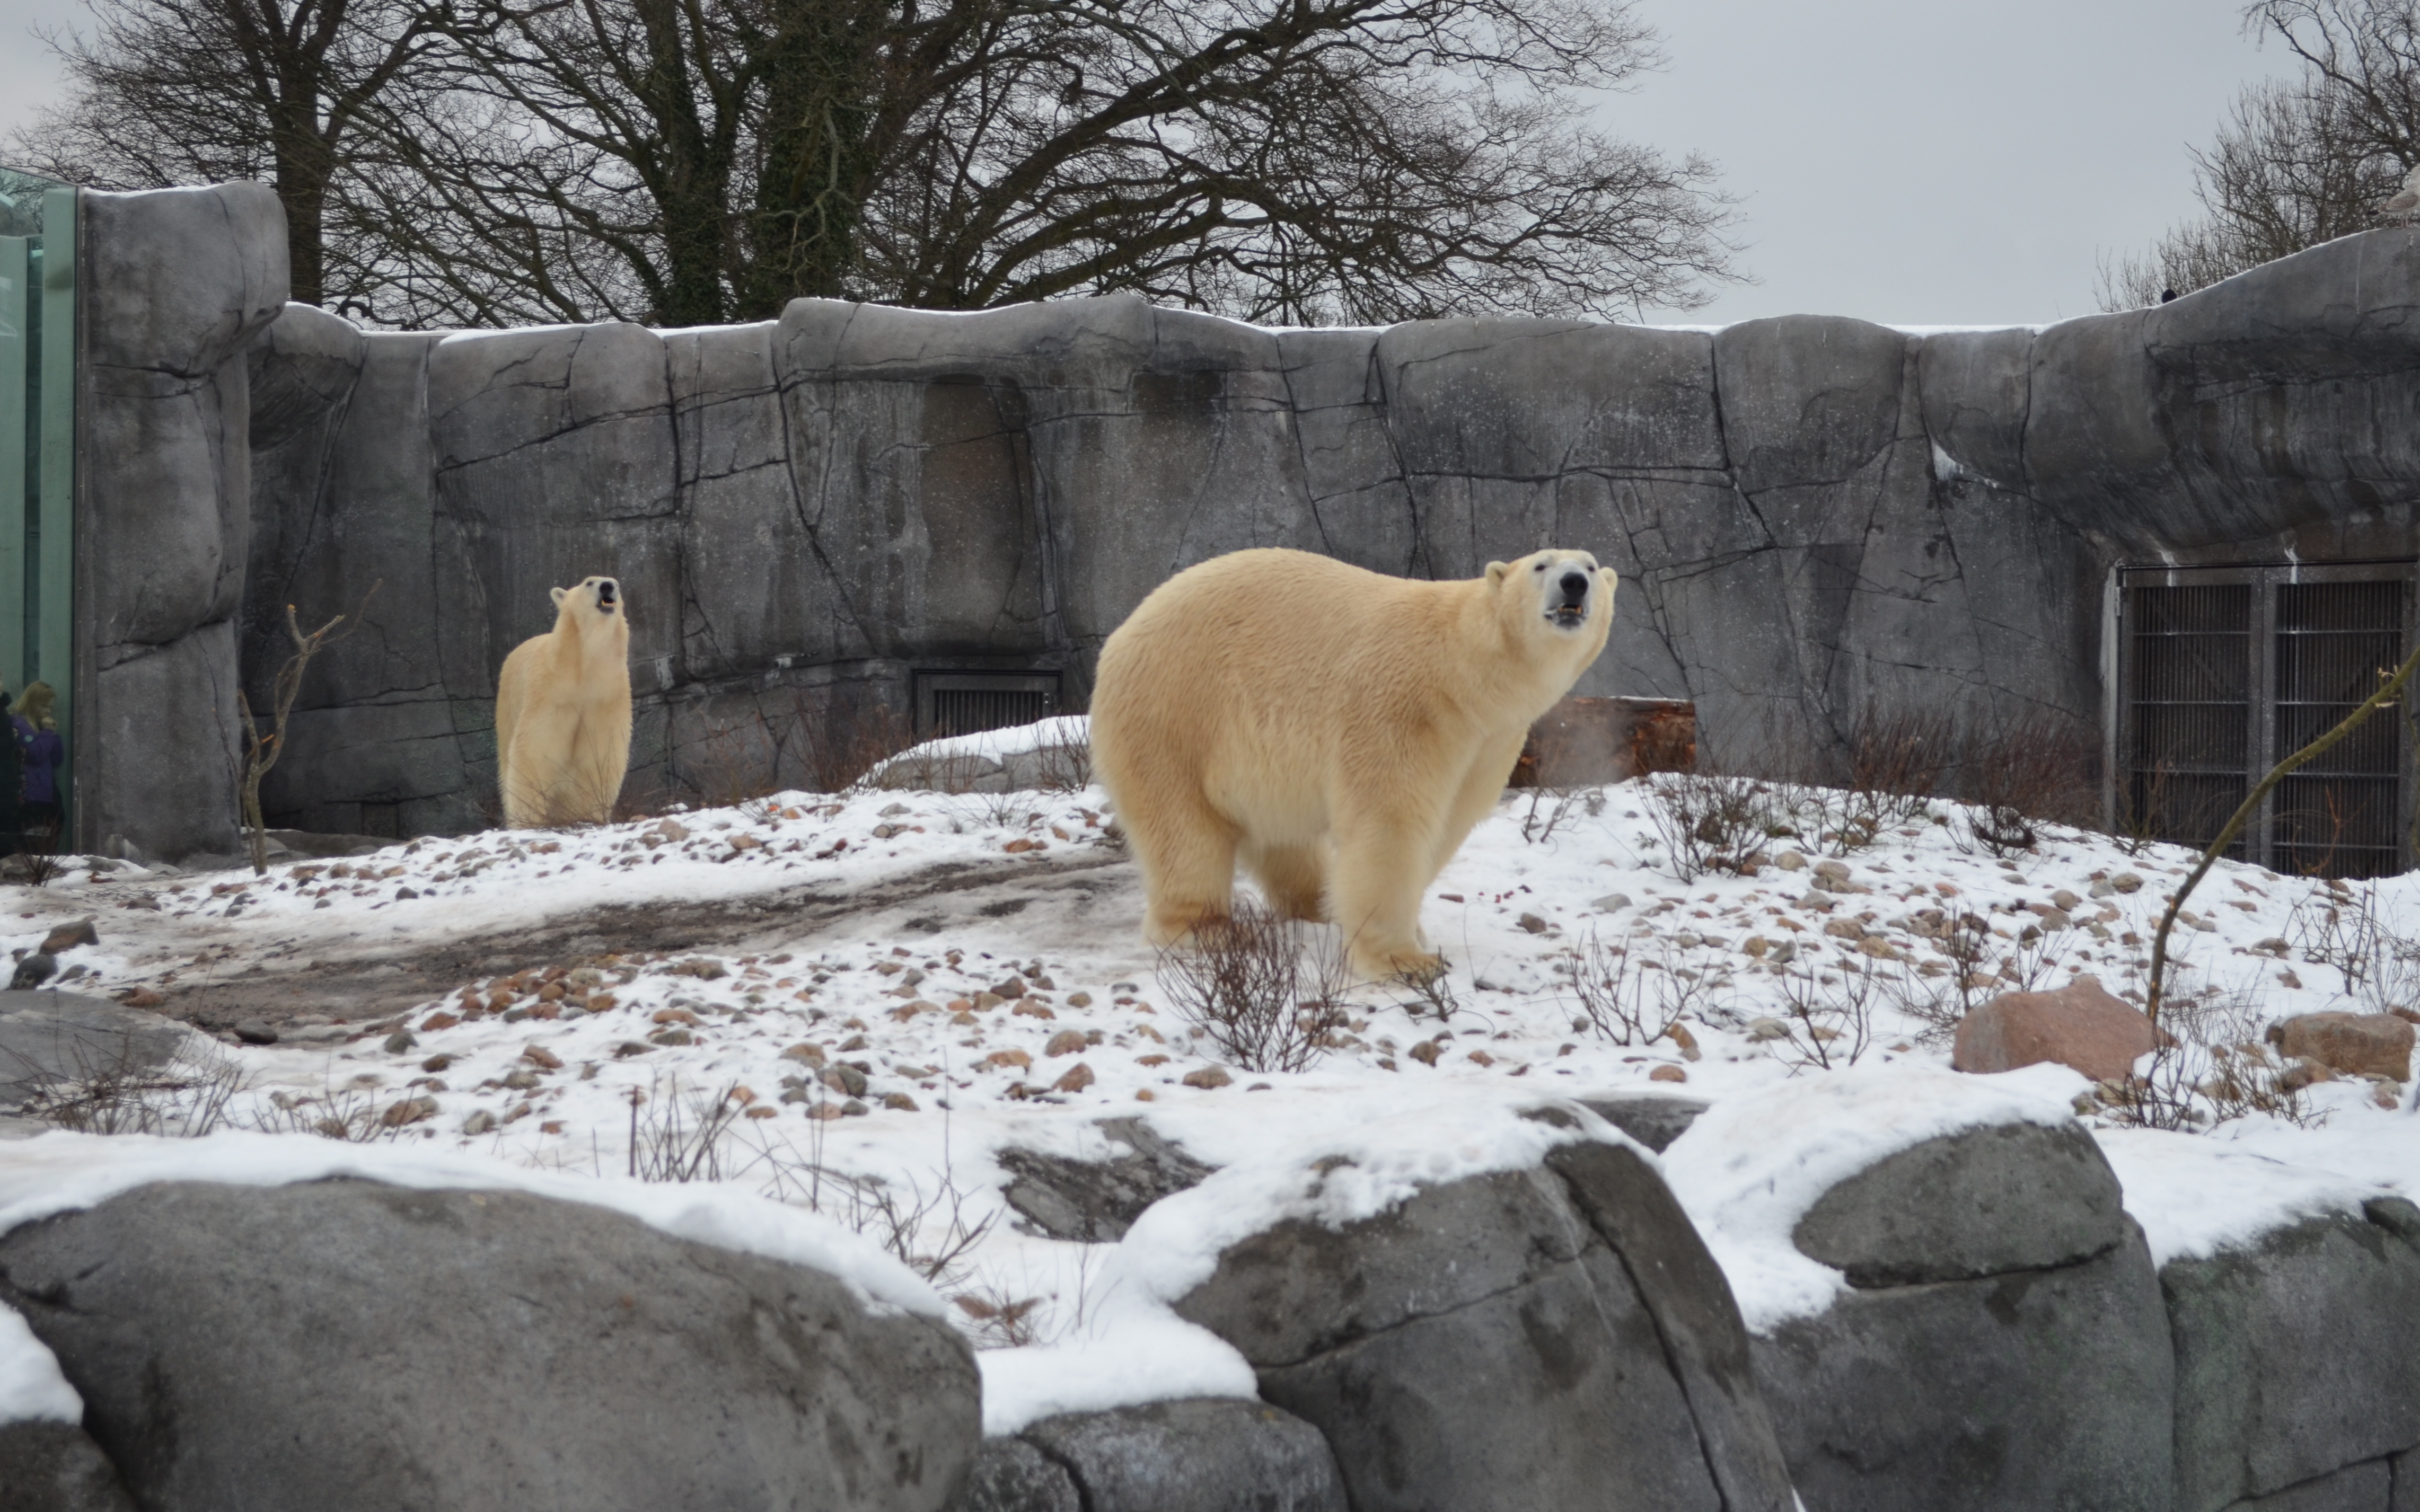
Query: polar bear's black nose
{"points": [[1574, 586]]}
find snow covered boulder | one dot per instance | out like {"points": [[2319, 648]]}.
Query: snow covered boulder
{"points": [[356, 1345], [1206, 1454], [1544, 1332], [1950, 1310], [2298, 1360]]}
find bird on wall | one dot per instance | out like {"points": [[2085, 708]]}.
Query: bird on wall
{"points": [[2405, 202]]}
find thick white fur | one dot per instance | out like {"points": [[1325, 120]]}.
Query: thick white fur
{"points": [[563, 713], [1337, 731]]}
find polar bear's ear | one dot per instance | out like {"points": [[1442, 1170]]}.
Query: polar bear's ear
{"points": [[559, 595], [1495, 571]]}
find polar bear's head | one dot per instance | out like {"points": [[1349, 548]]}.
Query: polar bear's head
{"points": [[1566, 590], [594, 604]]}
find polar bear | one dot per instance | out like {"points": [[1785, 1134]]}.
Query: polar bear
{"points": [[1337, 730], [563, 713]]}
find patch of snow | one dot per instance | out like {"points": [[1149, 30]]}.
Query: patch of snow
{"points": [[2197, 1197], [1752, 1167], [61, 1172], [32, 1390]]}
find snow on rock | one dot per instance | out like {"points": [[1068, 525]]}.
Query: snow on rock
{"points": [[1750, 1167], [2195, 1195], [1128, 1347], [31, 1388], [61, 1172]]}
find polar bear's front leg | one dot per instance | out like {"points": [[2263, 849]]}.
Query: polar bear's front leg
{"points": [[1186, 851], [1383, 862]]}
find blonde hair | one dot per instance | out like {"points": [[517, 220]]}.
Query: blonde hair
{"points": [[35, 703]]}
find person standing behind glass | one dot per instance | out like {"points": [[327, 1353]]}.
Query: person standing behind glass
{"points": [[12, 784], [38, 734]]}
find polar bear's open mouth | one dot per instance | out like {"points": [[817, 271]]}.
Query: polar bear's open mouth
{"points": [[1568, 615]]}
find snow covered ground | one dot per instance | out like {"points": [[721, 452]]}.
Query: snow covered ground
{"points": [[867, 1062]]}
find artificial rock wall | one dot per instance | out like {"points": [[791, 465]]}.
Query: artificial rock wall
{"points": [[1810, 515]]}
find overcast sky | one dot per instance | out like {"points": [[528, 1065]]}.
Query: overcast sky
{"points": [[1914, 162]]}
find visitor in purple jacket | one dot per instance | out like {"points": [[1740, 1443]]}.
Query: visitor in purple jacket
{"points": [[38, 736]]}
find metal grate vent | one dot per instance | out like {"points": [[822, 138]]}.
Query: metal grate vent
{"points": [[2228, 670], [961, 704]]}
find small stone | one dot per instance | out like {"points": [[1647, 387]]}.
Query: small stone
{"points": [[2288, 980], [900, 1102], [1844, 929], [437, 1063], [1008, 988], [253, 1032], [671, 1037], [2102, 888], [2080, 1026], [1208, 1078], [410, 1111], [1611, 901], [521, 1079], [1033, 1010], [672, 829], [438, 1021], [810, 1053], [2359, 1044], [2274, 944], [144, 997], [1533, 923], [894, 811], [1879, 947], [1078, 1077], [1667, 1073], [855, 1041], [479, 1122], [1683, 1041], [2126, 882], [1066, 1042], [543, 1059], [854, 1109], [987, 1000], [406, 894], [68, 936], [1425, 1053], [400, 1042], [2305, 1073], [1756, 944], [1832, 870], [845, 1078], [1790, 861], [1009, 1058], [1760, 1029], [631, 1047]]}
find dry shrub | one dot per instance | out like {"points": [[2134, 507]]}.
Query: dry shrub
{"points": [[1628, 998], [2016, 772], [1711, 822], [1268, 991], [1892, 765], [111, 1092], [2211, 1068], [1829, 1007]]}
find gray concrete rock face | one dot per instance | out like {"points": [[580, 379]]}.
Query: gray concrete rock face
{"points": [[172, 287], [344, 1344], [1012, 1475], [2009, 1196], [1208, 1455], [1810, 516], [2296, 1357], [1550, 1339], [2005, 1346], [2026, 1390], [51, 1037]]}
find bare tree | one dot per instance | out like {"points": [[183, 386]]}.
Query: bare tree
{"points": [[196, 91], [2297, 161], [690, 161]]}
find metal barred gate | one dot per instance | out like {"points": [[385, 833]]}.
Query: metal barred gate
{"points": [[38, 361], [2224, 672]]}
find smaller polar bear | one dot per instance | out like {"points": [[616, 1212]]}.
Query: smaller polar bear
{"points": [[563, 713], [1337, 730]]}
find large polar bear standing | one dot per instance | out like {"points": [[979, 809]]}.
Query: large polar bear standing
{"points": [[563, 713], [1337, 730]]}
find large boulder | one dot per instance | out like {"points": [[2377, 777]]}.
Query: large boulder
{"points": [[2079, 1025], [343, 1344], [1524, 1340], [2000, 1345], [1206, 1454], [2363, 1044], [46, 1038], [2297, 1356], [1095, 1202]]}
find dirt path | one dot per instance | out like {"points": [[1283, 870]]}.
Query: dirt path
{"points": [[359, 979]]}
